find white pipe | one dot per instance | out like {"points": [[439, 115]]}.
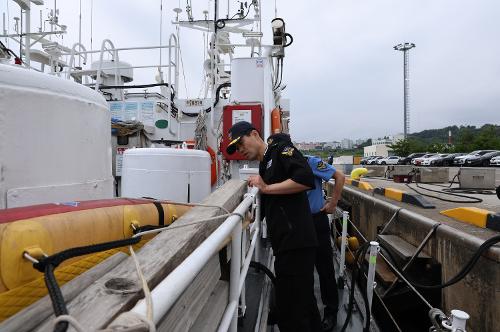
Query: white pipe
{"points": [[27, 43], [248, 259], [227, 319], [370, 282], [234, 293], [79, 30], [115, 59], [101, 57], [122, 67], [214, 86], [72, 58], [241, 281], [345, 215], [118, 49], [171, 288], [258, 222]]}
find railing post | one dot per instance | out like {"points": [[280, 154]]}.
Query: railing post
{"points": [[259, 224], [234, 280], [345, 217], [243, 301], [370, 282], [101, 58]]}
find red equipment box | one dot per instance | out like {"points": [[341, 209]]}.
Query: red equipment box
{"points": [[236, 113]]}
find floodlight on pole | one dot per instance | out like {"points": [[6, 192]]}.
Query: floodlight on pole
{"points": [[405, 47]]}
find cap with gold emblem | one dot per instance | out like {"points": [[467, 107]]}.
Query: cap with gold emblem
{"points": [[238, 130]]}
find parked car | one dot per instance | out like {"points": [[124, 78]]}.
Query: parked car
{"points": [[446, 161], [407, 160], [373, 161], [459, 161], [418, 161], [392, 160], [365, 160], [481, 160], [495, 161], [431, 161]]}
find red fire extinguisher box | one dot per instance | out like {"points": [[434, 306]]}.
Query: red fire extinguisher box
{"points": [[235, 113]]}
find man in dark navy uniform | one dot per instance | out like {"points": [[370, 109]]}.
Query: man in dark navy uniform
{"points": [[284, 177], [324, 256]]}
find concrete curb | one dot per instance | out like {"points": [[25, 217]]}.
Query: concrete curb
{"points": [[475, 216], [402, 196]]}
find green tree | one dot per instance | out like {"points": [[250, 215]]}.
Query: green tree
{"points": [[406, 146], [487, 139], [439, 148], [465, 140], [366, 143], [401, 148]]}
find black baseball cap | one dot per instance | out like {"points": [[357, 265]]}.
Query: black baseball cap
{"points": [[238, 130]]}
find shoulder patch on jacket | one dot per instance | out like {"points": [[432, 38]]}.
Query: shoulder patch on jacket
{"points": [[321, 165], [287, 151]]}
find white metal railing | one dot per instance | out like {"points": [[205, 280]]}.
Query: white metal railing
{"points": [[166, 293], [457, 319], [114, 54], [72, 57], [372, 262]]}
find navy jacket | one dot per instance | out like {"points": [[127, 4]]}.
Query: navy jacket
{"points": [[288, 217]]}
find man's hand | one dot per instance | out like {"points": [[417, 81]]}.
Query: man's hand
{"points": [[256, 181], [329, 206]]}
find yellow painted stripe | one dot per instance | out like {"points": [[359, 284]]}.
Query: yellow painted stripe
{"points": [[394, 194], [471, 215], [365, 186], [359, 184]]}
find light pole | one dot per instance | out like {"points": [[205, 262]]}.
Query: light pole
{"points": [[405, 47]]}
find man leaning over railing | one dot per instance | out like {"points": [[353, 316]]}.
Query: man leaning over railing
{"points": [[284, 177]]}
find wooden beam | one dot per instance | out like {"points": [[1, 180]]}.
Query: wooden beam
{"points": [[99, 305], [30, 317], [187, 308], [209, 318]]}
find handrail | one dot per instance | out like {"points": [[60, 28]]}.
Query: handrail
{"points": [[72, 57], [101, 56], [166, 293], [120, 49]]}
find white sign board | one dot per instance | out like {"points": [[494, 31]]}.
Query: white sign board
{"points": [[242, 115]]}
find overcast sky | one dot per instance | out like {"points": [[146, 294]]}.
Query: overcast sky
{"points": [[343, 77]]}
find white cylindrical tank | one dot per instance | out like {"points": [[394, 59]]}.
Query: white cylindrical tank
{"points": [[180, 175], [55, 141]]}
